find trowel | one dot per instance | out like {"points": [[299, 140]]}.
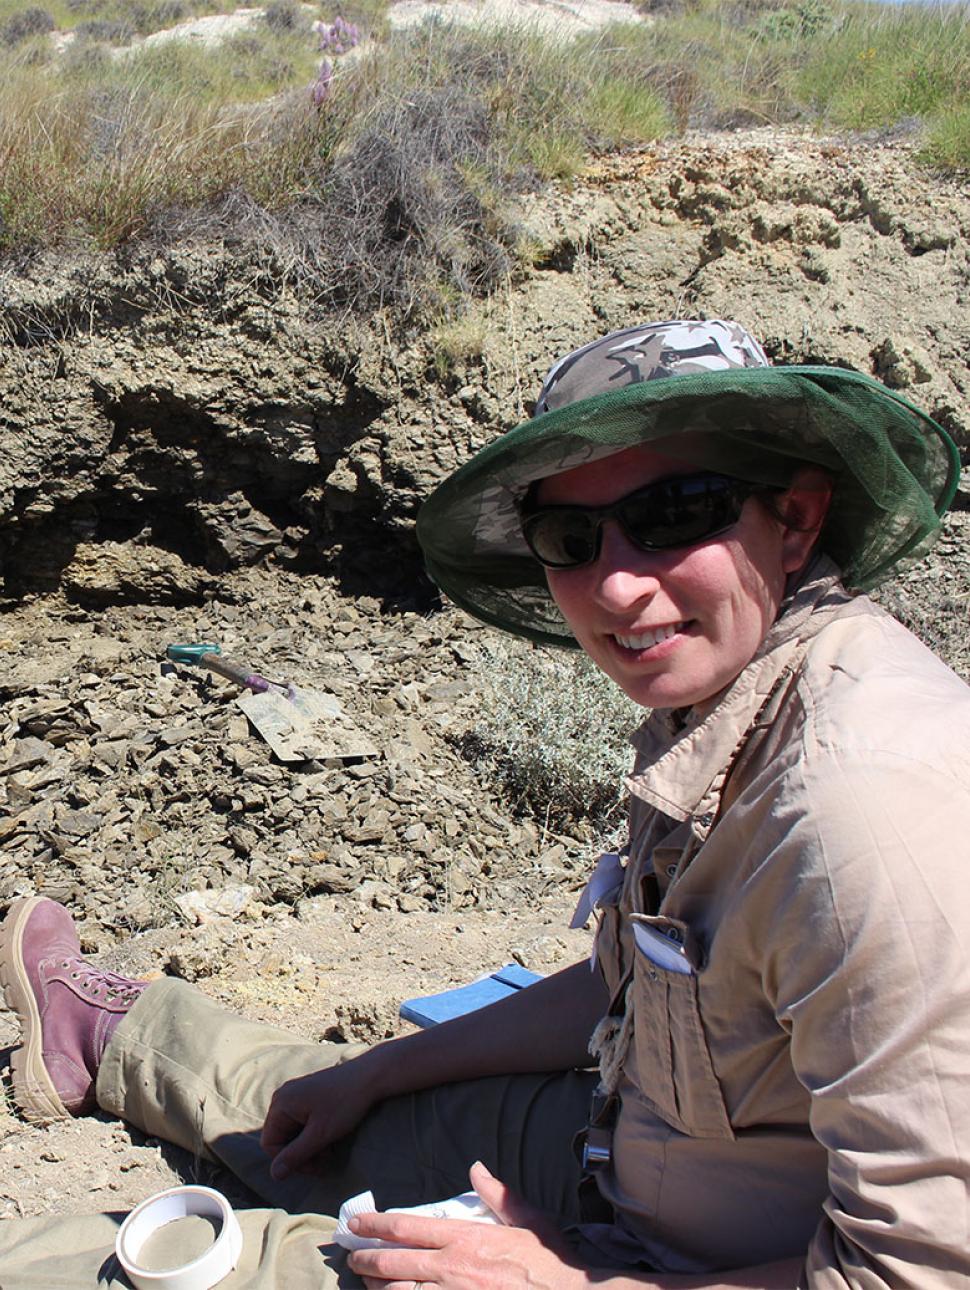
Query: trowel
{"points": [[297, 723]]}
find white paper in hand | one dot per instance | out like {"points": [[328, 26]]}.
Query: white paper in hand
{"points": [[468, 1206]]}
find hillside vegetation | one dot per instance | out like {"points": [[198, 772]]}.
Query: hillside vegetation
{"points": [[384, 168]]}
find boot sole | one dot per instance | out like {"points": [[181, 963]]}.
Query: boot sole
{"points": [[33, 1089]]}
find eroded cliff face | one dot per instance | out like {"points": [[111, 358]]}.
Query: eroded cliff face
{"points": [[190, 452], [169, 414]]}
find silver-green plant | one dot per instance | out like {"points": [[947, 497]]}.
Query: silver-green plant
{"points": [[553, 731]]}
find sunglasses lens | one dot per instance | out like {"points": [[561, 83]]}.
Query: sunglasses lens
{"points": [[562, 539], [671, 513], [680, 512]]}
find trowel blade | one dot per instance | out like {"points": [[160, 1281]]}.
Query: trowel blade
{"points": [[310, 725]]}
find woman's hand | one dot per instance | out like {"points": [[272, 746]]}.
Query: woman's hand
{"points": [[307, 1114], [450, 1254]]}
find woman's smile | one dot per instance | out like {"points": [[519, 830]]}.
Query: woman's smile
{"points": [[647, 638]]}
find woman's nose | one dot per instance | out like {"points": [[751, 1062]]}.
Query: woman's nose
{"points": [[624, 574]]}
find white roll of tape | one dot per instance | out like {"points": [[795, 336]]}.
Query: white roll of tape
{"points": [[201, 1273]]}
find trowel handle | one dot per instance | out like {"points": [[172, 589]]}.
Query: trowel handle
{"points": [[237, 672], [191, 653], [209, 657]]}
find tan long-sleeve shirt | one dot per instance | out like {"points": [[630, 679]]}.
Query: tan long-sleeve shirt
{"points": [[798, 1076]]}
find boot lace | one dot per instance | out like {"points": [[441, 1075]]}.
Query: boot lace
{"points": [[102, 987]]}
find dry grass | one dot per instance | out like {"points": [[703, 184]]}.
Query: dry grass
{"points": [[397, 188], [141, 17]]}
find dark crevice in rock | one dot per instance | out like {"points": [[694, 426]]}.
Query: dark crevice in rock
{"points": [[210, 490], [391, 570]]}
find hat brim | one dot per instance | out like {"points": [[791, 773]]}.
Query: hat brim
{"points": [[895, 471]]}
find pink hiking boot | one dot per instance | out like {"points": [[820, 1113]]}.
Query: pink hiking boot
{"points": [[68, 1010]]}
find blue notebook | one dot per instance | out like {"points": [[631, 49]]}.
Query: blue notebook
{"points": [[434, 1008]]}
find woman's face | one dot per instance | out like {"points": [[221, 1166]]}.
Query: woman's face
{"points": [[672, 628]]}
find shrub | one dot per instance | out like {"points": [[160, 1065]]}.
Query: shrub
{"points": [[112, 31], [802, 21], [409, 225], [437, 130], [155, 15], [28, 22], [553, 732], [143, 16], [285, 15]]}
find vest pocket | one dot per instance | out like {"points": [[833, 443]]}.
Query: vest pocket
{"points": [[674, 1071]]}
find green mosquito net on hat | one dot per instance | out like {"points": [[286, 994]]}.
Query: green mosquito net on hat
{"points": [[707, 395]]}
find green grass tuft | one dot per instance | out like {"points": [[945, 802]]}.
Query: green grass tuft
{"points": [[619, 113], [948, 139]]}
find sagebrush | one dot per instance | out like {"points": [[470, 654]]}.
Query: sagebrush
{"points": [[553, 733]]}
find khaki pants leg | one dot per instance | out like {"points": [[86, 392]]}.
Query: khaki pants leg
{"points": [[182, 1069], [280, 1252]]}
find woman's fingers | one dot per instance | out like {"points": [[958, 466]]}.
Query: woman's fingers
{"points": [[412, 1231], [493, 1192], [307, 1114], [459, 1255], [299, 1143], [279, 1128], [291, 1158], [412, 1262]]}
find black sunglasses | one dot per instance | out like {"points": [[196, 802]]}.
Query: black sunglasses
{"points": [[669, 513]]}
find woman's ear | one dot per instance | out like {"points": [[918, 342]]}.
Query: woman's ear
{"points": [[803, 508]]}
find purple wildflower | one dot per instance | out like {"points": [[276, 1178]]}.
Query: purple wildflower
{"points": [[338, 37]]}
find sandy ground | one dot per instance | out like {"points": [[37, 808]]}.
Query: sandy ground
{"points": [[551, 18], [558, 18], [210, 30]]}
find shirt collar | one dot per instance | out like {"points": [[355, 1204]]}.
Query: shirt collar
{"points": [[679, 755]]}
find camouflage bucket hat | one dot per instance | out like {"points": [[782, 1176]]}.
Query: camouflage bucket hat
{"points": [[706, 394]]}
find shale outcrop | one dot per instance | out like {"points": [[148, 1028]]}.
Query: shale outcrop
{"points": [[191, 451]]}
